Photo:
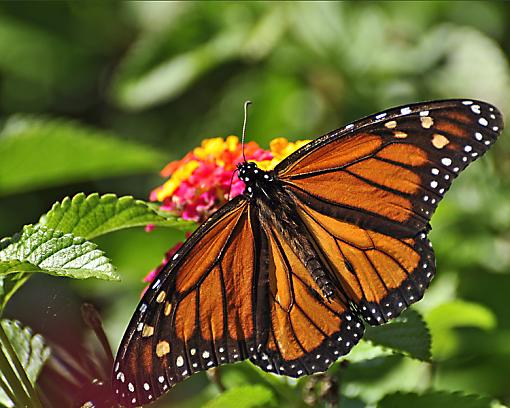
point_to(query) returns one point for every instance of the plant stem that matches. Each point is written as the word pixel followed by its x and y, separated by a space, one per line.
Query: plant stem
pixel 6 388
pixel 17 393
pixel 33 398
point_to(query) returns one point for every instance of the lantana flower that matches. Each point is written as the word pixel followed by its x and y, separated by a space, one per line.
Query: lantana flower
pixel 204 179
pixel 200 183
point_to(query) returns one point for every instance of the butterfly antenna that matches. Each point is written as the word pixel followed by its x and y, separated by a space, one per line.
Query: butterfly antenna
pixel 244 127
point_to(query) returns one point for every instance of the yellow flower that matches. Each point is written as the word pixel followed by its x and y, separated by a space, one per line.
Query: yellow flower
pixel 182 173
pixel 280 149
pixel 215 147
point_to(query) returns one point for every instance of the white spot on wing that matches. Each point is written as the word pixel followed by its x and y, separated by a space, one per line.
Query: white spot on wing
pixel 446 161
pixel 156 284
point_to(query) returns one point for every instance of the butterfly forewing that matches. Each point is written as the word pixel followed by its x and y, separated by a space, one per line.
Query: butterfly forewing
pixel 389 171
pixel 201 311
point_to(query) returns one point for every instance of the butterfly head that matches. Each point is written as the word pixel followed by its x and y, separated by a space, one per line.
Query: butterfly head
pixel 253 177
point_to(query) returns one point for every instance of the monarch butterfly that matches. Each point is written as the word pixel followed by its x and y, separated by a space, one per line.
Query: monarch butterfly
pixel 287 273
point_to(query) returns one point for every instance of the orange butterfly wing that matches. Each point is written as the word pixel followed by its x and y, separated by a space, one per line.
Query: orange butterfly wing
pixel 389 171
pixel 204 309
pixel 306 333
pixel 366 194
pixel 380 274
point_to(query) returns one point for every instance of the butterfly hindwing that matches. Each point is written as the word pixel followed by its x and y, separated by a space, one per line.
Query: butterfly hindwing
pixel 306 333
pixel 382 275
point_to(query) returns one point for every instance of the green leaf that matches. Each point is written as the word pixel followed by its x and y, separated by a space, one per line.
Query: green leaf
pixel 31 350
pixel 247 396
pixel 364 351
pixel 434 399
pixel 58 254
pixel 407 334
pixel 38 152
pixel 443 319
pixel 15 266
pixel 94 215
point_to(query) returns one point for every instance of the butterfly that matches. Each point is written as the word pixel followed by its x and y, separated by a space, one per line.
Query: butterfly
pixel 288 273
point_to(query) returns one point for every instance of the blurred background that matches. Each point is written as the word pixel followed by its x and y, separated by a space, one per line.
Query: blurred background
pixel 99 96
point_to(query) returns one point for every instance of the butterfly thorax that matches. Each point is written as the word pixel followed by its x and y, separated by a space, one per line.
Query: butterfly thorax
pixel 256 180
pixel 277 210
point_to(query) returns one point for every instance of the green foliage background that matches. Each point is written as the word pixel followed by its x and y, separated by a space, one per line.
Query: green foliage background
pixel 98 96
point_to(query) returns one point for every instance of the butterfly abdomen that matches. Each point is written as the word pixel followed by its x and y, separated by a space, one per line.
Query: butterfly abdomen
pixel 282 218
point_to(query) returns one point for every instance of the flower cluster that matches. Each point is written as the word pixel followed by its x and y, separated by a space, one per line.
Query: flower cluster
pixel 200 183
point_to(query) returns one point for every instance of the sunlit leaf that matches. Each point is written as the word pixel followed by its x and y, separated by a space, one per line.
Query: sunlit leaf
pixel 248 396
pixel 40 152
pixel 366 350
pixel 30 349
pixel 407 334
pixel 94 215
pixel 58 254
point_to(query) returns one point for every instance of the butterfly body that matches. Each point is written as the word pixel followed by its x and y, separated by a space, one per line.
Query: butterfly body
pixel 286 273
pixel 264 189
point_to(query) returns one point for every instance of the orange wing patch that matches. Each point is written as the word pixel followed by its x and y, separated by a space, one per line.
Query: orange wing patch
pixel 382 275
pixel 351 148
pixel 194 267
pixel 405 154
pixel 356 194
pixel 306 334
pixel 376 176
pixel 202 310
pixel 211 322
